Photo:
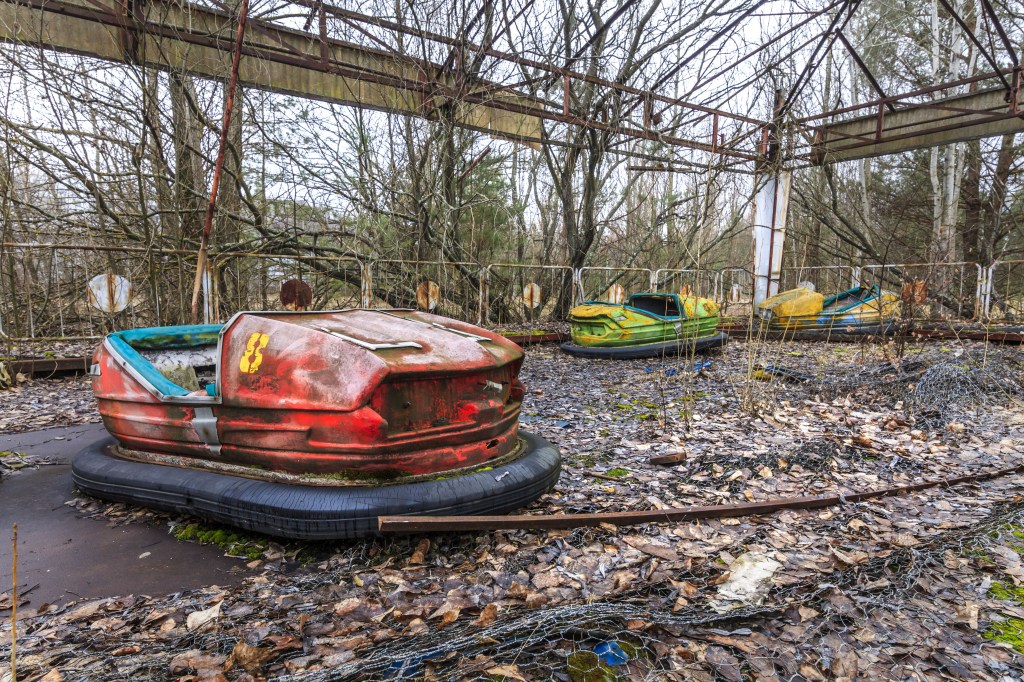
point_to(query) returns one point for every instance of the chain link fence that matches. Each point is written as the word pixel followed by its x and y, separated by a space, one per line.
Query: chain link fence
pixel 50 291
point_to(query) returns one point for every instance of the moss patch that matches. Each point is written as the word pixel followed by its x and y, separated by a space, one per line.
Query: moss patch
pixel 347 475
pixel 585 666
pixel 617 472
pixel 235 544
pixel 1011 630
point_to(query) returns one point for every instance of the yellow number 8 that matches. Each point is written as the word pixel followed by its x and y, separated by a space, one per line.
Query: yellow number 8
pixel 253 354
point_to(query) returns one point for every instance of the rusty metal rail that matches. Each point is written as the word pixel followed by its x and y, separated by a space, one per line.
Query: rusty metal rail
pixel 438 524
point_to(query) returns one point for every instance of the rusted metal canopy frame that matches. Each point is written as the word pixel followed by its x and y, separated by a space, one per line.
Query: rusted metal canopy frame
pixel 874 104
pixel 218 166
pixel 437 524
pixel 817 155
pixel 766 45
pixel 532 63
pixel 974 39
pixel 957 111
pixel 426 90
pixel 864 67
pixel 715 37
pixel 1002 33
pixel 849 8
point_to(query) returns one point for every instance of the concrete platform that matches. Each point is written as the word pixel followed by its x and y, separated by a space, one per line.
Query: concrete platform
pixel 70 557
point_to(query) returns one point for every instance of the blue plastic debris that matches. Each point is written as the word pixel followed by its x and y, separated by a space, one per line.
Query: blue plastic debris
pixel 610 653
pixel 672 371
pixel 410 668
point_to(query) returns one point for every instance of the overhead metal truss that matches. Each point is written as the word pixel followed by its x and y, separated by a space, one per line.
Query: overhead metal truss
pixel 309 62
pixel 185 36
pixel 891 129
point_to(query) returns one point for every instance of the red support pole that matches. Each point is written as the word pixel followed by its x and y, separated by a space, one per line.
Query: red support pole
pixel 229 103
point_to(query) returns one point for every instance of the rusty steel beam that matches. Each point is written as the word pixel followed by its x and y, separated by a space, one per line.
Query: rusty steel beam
pixel 958 118
pixel 526 339
pixel 218 166
pixel 864 67
pixel 974 39
pixel 46 366
pixel 1007 45
pixel 166 35
pixel 439 524
pixel 569 73
pixel 848 8
pixel 1010 336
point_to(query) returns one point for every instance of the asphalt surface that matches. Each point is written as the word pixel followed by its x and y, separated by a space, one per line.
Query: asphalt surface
pixel 62 557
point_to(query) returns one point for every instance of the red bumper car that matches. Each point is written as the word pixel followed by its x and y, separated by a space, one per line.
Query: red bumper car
pixel 310 425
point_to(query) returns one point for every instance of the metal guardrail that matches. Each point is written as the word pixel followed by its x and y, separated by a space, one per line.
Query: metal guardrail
pixel 43 292
pixel 932 291
pixel 518 293
pixel 612 284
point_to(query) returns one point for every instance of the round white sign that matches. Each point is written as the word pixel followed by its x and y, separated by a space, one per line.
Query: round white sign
pixel 109 293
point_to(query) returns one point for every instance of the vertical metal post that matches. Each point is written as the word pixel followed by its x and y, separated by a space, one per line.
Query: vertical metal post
pixel 365 285
pixel 485 286
pixel 771 207
pixel 772 185
pixel 229 103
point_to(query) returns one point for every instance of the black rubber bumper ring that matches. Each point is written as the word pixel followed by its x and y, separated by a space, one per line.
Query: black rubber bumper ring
pixel 649 350
pixel 313 512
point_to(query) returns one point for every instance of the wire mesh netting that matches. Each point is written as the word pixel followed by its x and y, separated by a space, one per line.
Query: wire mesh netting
pixel 1007 299
pixel 446 288
pixel 827 281
pixel 87 291
pixel 255 281
pixel 518 294
pixel 929 291
pixel 612 285
pixel 703 283
pixel 737 292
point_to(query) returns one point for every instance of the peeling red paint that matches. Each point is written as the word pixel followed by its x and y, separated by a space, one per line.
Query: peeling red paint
pixel 318 402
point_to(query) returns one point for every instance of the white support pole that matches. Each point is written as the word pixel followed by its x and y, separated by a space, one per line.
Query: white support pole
pixel 771 207
pixel 207 282
pixel 986 277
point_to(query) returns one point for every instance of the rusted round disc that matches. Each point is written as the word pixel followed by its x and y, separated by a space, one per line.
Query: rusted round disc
pixel 296 295
pixel 428 294
pixel 531 295
pixel 615 294
pixel 109 293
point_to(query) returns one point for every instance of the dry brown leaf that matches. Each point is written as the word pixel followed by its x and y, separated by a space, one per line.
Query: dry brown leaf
pixel 449 617
pixel 517 591
pixel 487 615
pixel 203 620
pixel 419 555
pixel 661 551
pixel 535 600
pixel 546 579
pixel 126 650
pixel 249 658
pixel 194 659
pixel 905 540
pixel 812 673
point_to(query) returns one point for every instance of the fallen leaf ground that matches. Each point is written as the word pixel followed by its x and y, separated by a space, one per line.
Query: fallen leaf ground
pixel 917 587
